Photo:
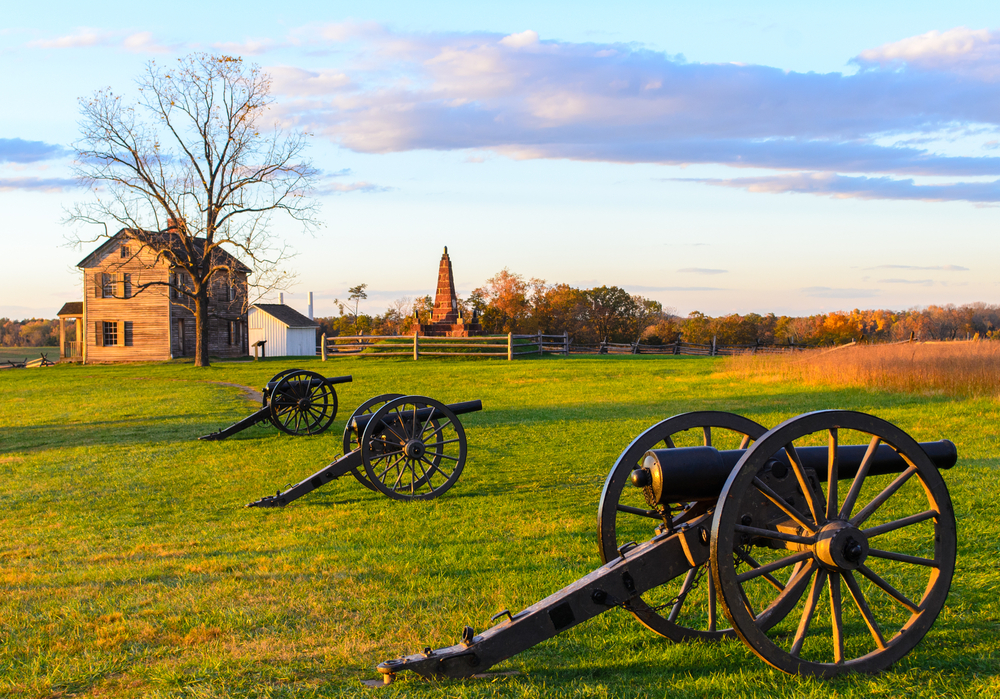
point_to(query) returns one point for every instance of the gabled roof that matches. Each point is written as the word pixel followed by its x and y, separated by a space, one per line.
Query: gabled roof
pixel 285 314
pixel 161 240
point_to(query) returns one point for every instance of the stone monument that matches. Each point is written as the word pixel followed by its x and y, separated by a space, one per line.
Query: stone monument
pixel 446 318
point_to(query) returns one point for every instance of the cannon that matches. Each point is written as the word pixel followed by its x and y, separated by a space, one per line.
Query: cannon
pixel 295 401
pixel 406 447
pixel 828 543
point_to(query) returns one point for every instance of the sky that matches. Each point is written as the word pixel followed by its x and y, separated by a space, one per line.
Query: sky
pixel 734 157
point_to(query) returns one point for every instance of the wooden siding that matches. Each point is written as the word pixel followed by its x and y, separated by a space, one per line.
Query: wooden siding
pixel 147 311
pixel 153 314
pixel 282 341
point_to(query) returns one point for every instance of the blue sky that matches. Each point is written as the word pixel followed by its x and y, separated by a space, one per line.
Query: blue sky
pixel 782 157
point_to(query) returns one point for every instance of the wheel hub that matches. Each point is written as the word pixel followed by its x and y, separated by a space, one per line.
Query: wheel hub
pixel 414 449
pixel 841 546
pixel 304 403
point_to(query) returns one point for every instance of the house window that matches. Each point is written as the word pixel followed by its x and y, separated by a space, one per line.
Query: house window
pixel 125 252
pixel 180 337
pixel 128 333
pixel 110 333
pixel 175 281
pixel 127 285
pixel 107 285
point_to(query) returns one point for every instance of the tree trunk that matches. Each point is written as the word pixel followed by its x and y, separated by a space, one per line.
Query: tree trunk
pixel 201 327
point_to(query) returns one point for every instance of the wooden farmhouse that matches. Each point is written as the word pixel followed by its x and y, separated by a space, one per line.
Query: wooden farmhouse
pixel 129 313
pixel 286 331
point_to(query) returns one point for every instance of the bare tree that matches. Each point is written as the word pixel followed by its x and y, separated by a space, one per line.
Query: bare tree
pixel 194 172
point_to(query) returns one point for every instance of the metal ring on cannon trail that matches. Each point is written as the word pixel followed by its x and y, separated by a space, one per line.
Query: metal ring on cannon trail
pixel 860 571
pixel 351 436
pixel 413 448
pixel 685 609
pixel 302 402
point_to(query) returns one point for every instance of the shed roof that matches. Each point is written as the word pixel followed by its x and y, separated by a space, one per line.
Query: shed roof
pixel 71 308
pixel 287 315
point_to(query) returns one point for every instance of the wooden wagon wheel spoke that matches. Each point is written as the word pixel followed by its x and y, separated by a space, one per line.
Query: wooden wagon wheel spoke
pixel 903 558
pixel 749 560
pixel 807 613
pixel 707 429
pixel 784 506
pixel 776 565
pixel 836 620
pixel 832 474
pixel 651 514
pixel 815 505
pixel 888 589
pixel 872 532
pixel 862 604
pixel 859 478
pixel 869 509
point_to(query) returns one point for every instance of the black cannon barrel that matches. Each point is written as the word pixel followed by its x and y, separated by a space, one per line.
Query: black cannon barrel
pixel 698 473
pixel 269 386
pixel 469 406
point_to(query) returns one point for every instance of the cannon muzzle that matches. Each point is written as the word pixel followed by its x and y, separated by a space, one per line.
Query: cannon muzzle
pixel 685 474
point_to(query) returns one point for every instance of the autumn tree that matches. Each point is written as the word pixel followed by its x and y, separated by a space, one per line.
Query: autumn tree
pixel 194 170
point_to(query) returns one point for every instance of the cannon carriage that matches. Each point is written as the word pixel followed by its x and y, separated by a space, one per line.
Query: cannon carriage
pixel 826 544
pixel 406 447
pixel 296 401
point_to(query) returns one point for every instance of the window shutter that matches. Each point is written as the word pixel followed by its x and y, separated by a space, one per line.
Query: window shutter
pixel 121 333
pixel 120 286
pixel 98 333
pixel 98 284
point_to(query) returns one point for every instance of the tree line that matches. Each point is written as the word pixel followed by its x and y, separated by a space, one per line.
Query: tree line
pixel 508 302
pixel 31 332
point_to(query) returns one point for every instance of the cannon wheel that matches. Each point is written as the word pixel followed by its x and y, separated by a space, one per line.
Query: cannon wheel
pixel 301 406
pixel 351 438
pixel 868 580
pixel 622 507
pixel 266 395
pixel 412 459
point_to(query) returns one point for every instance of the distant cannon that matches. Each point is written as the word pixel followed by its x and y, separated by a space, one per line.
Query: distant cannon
pixel 406 447
pixel 817 579
pixel 296 401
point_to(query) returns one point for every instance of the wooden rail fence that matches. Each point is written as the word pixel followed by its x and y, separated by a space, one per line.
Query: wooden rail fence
pixel 511 346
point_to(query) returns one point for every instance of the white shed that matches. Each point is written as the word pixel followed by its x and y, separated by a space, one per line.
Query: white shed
pixel 288 332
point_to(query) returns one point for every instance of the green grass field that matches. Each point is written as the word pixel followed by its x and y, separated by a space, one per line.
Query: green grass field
pixel 129 567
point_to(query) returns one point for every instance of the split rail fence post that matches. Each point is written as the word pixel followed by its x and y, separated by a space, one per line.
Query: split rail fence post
pixel 713 345
pixel 322 347
pixel 539 342
pixel 566 342
pixel 510 347
pixel 416 346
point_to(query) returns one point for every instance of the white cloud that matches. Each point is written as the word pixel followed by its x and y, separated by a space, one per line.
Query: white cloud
pixel 37 184
pixel 518 41
pixel 958 50
pixel 841 187
pixel 943 268
pixel 136 42
pixel 826 292
pixel 253 47
pixel 296 82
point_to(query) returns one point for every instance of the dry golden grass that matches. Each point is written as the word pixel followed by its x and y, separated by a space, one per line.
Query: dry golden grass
pixel 949 368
